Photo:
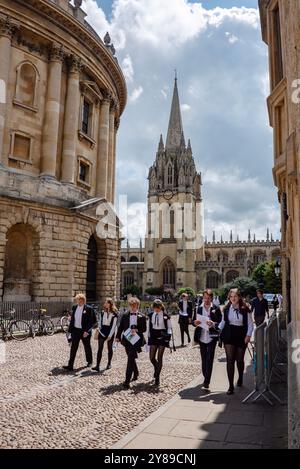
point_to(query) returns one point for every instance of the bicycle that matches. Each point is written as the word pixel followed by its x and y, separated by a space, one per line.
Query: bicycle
pixel 16 328
pixel 65 321
pixel 40 323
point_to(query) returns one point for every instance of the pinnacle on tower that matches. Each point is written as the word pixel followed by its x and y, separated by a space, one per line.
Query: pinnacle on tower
pixel 268 234
pixel 249 236
pixel 161 145
pixel 175 129
pixel 231 236
pixel 214 237
pixel 182 141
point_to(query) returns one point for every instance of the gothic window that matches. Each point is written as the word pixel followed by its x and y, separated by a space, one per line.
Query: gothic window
pixel 259 257
pixel 208 256
pixel 223 256
pixel 128 279
pixel 26 94
pixel 212 279
pixel 169 275
pixel 231 276
pixel 276 255
pixel 240 257
pixel 170 176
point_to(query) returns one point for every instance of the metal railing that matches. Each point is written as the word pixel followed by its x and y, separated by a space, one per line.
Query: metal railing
pixel 269 361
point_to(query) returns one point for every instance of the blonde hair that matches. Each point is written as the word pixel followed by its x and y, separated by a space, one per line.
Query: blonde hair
pixel 80 296
pixel 134 301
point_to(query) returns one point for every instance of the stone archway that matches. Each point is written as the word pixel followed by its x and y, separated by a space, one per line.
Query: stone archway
pixel 21 263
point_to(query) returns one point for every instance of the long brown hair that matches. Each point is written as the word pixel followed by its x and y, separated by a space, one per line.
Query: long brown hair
pixel 242 303
pixel 113 307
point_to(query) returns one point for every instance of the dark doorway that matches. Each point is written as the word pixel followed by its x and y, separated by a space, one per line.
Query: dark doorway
pixel 91 280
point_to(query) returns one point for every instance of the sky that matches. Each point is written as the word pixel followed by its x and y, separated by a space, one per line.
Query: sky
pixel 222 67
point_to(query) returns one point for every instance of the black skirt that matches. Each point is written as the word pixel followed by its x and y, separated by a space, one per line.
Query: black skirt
pixel 236 337
pixel 158 337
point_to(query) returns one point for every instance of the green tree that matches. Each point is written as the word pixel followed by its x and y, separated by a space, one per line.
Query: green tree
pixel 132 290
pixel 155 291
pixel 264 275
pixel 258 274
pixel 187 290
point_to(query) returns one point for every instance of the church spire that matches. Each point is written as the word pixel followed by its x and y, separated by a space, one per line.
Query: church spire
pixel 175 129
pixel 161 146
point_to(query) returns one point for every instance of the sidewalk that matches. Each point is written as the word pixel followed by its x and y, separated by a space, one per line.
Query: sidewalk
pixel 196 419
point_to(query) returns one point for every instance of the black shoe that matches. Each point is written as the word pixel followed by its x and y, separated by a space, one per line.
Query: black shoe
pixel 96 368
pixel 230 392
pixel 240 382
pixel 88 365
pixel 126 385
pixel 205 385
pixel 68 368
pixel 108 366
pixel 135 377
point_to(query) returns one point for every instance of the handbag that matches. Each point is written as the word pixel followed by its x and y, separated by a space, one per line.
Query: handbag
pixel 96 334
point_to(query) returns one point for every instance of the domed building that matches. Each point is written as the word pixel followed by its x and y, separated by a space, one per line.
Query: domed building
pixel 62 94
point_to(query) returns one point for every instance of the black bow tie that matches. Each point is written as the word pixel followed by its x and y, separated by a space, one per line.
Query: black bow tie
pixel 133 314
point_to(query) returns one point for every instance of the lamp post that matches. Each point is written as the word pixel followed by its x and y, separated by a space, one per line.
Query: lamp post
pixel 277 268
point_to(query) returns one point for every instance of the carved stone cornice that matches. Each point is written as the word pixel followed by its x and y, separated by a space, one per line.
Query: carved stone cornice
pixel 117 123
pixel 37 48
pixel 8 26
pixel 56 52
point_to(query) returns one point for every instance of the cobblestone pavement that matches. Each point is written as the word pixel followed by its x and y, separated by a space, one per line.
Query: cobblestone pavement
pixel 41 406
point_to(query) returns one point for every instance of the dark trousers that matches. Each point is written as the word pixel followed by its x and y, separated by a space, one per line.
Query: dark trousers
pixel 259 319
pixel 77 336
pixel 207 356
pixel 101 342
pixel 184 328
pixel 131 368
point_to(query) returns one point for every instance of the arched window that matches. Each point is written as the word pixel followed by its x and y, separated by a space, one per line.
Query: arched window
pixel 207 256
pixel 259 257
pixel 170 175
pixel 232 275
pixel 240 257
pixel 212 279
pixel 26 85
pixel 133 259
pixel 169 275
pixel 123 259
pixel 223 256
pixel 128 279
pixel 276 255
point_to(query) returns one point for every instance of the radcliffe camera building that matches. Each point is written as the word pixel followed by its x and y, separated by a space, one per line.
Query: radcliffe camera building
pixel 168 261
pixel 62 95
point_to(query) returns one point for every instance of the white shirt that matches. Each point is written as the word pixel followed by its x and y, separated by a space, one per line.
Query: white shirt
pixel 235 318
pixel 106 321
pixel 158 322
pixel 133 319
pixel 78 317
pixel 205 336
pixel 184 308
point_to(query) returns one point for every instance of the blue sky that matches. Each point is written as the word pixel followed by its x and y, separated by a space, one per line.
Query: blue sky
pixel 223 83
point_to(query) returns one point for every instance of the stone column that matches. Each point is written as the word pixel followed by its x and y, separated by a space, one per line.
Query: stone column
pixel 7 30
pixel 52 109
pixel 103 145
pixel 71 122
pixel 111 153
pixel 117 124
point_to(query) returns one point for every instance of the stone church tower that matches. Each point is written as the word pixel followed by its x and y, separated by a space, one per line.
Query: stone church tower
pixel 174 204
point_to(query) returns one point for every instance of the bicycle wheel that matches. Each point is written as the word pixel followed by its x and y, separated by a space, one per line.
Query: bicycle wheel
pixel 19 330
pixel 64 323
pixel 48 327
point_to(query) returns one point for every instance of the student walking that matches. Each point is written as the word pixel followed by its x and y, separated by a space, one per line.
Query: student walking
pixel 237 327
pixel 106 332
pixel 160 332
pixel 131 334
pixel 185 316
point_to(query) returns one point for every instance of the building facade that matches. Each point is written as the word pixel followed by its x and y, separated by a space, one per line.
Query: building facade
pixel 280 20
pixel 62 93
pixel 169 261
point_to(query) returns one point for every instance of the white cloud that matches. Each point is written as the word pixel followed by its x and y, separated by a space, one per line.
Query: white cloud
pixel 127 68
pixel 185 107
pixel 136 93
pixel 232 39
